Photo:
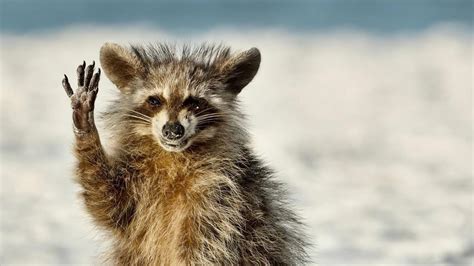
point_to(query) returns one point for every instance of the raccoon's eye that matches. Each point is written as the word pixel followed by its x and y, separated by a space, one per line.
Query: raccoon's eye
pixel 153 101
pixel 194 104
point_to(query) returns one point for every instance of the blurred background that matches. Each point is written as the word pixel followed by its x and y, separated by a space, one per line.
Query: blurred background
pixel 364 108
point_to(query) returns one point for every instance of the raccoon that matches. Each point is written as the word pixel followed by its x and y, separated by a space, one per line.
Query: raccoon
pixel 182 185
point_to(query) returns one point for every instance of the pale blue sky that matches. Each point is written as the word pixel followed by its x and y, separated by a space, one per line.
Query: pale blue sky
pixel 379 16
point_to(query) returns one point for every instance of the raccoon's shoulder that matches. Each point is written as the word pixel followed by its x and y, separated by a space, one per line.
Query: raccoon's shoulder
pixel 252 169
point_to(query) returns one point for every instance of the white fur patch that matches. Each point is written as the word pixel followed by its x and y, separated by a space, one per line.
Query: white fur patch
pixel 186 94
pixel 216 100
pixel 167 92
pixel 157 90
pixel 188 122
pixel 142 130
pixel 140 96
pixel 158 121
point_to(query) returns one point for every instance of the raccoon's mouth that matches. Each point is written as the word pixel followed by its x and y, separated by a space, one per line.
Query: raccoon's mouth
pixel 174 146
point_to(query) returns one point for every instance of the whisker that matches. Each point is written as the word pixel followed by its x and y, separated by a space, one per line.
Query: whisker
pixel 138 122
pixel 140 114
pixel 209 120
pixel 202 111
pixel 136 112
pixel 138 117
pixel 214 114
pixel 209 117
pixel 210 109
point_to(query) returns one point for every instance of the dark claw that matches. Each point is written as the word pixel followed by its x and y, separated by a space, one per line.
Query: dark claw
pixel 89 73
pixel 94 83
pixel 67 86
pixel 80 74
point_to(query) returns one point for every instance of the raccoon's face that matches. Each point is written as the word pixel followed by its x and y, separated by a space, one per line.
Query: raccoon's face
pixel 179 102
pixel 181 111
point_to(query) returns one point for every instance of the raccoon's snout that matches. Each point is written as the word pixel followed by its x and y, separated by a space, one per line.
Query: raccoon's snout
pixel 173 131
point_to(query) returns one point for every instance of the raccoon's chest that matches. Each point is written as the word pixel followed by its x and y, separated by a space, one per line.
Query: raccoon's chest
pixel 181 217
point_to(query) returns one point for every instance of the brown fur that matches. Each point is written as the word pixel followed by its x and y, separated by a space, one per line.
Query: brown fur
pixel 213 203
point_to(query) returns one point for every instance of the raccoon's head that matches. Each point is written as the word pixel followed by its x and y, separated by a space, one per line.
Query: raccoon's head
pixel 180 99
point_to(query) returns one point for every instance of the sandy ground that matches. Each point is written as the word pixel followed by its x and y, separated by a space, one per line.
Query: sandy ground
pixel 371 133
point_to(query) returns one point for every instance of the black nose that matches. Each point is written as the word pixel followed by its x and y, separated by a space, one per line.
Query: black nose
pixel 173 131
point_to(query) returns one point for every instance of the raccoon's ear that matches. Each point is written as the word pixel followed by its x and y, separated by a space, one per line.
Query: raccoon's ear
pixel 120 65
pixel 240 70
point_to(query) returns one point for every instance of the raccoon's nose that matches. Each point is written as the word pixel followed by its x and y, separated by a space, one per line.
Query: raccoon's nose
pixel 173 131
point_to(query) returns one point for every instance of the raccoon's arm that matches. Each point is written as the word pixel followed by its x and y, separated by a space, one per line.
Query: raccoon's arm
pixel 103 183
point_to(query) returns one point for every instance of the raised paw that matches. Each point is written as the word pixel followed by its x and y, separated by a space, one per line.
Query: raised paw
pixel 83 100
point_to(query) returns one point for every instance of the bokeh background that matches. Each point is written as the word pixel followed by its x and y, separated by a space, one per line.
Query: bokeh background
pixel 364 108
